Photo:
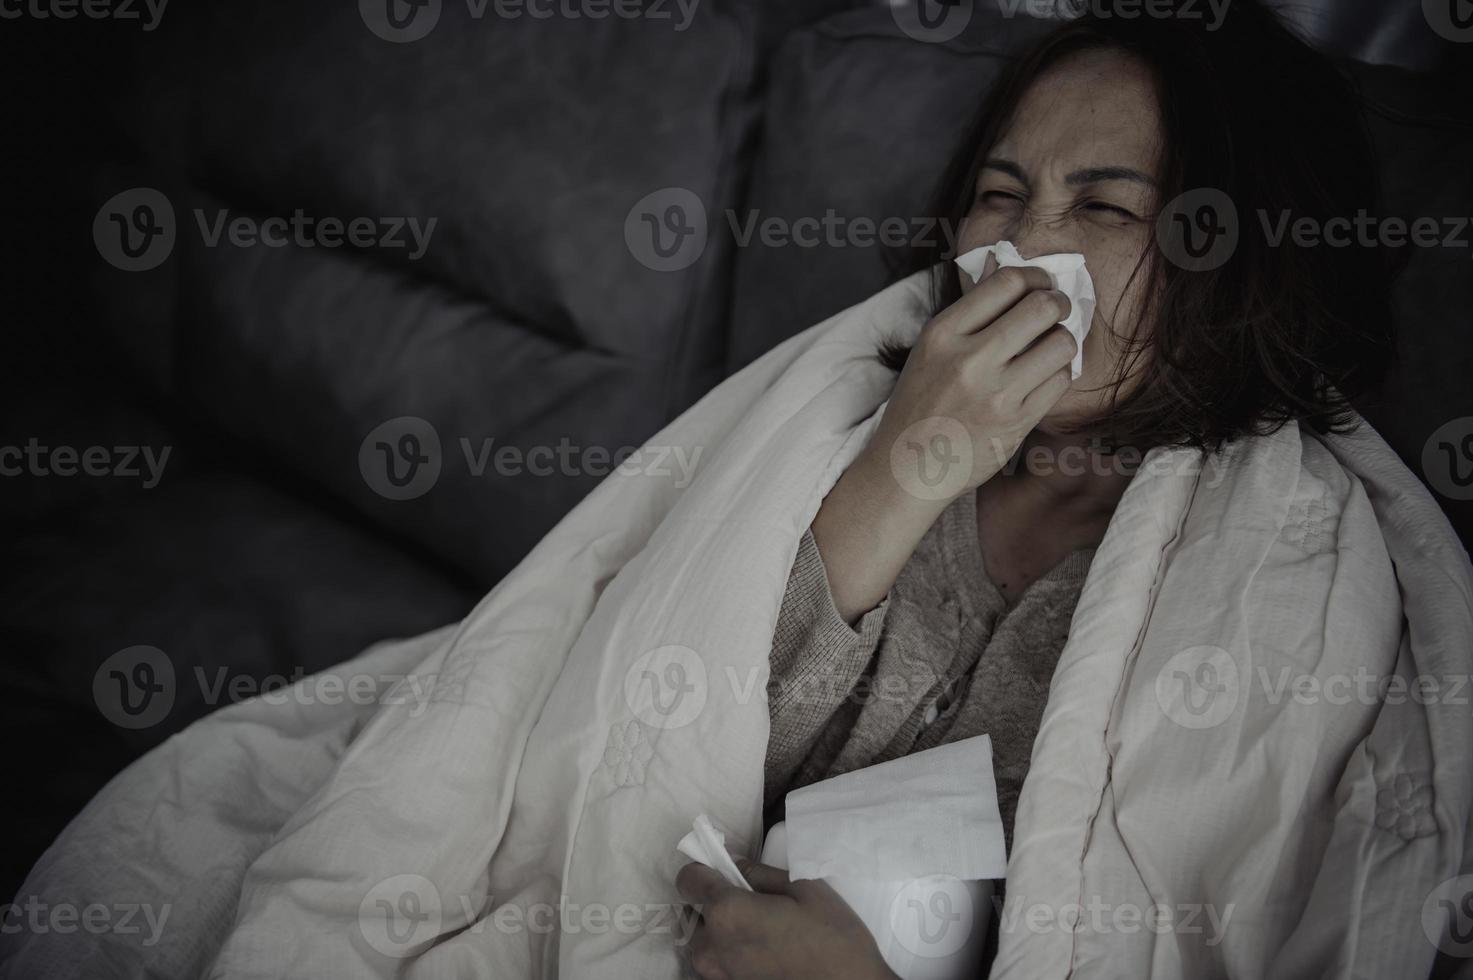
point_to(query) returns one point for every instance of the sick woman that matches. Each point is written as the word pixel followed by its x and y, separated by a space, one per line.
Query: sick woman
pixel 1132 142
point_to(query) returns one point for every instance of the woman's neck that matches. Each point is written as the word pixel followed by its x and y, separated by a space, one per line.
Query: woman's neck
pixel 1054 498
pixel 1068 477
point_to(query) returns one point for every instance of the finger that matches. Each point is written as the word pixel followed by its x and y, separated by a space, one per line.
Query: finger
pixel 1037 402
pixel 700 885
pixel 1029 319
pixel 703 957
pixel 1054 350
pixel 763 877
pixel 992 297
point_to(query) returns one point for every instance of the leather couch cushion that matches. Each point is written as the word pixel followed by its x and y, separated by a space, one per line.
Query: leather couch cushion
pixel 312 356
pixel 533 315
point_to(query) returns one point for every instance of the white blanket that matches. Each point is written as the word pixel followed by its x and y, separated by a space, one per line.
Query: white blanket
pixel 506 801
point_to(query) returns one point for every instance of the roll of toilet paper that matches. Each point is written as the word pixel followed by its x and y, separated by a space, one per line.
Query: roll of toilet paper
pixel 1066 271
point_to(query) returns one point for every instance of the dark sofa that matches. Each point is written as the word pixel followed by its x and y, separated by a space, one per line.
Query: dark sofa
pixel 293 524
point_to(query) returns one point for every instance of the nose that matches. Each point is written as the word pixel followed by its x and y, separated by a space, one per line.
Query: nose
pixel 1036 236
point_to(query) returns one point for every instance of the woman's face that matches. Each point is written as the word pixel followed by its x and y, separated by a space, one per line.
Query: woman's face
pixel 1076 171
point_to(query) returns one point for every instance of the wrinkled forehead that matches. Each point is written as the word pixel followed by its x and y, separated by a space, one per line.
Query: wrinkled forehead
pixel 1092 109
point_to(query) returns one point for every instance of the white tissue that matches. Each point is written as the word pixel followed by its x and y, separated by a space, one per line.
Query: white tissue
pixel 707 845
pixel 1069 276
pixel 928 813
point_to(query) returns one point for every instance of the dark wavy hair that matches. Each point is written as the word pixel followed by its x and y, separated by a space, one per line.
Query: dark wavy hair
pixel 1280 331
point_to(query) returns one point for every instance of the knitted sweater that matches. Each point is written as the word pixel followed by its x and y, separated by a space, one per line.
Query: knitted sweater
pixel 943 657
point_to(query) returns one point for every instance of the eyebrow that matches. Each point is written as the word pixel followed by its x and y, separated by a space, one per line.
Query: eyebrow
pixel 1089 175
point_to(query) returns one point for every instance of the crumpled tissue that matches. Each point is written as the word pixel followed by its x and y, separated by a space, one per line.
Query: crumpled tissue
pixel 1069 276
pixel 707 845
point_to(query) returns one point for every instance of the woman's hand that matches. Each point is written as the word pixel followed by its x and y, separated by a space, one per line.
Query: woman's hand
pixel 800 930
pixel 981 375
pixel 993 363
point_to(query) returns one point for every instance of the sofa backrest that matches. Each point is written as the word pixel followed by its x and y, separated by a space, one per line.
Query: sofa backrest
pixel 529 291
pixel 562 229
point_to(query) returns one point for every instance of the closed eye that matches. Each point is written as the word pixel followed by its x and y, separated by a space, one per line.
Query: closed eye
pixel 1101 206
pixel 999 196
